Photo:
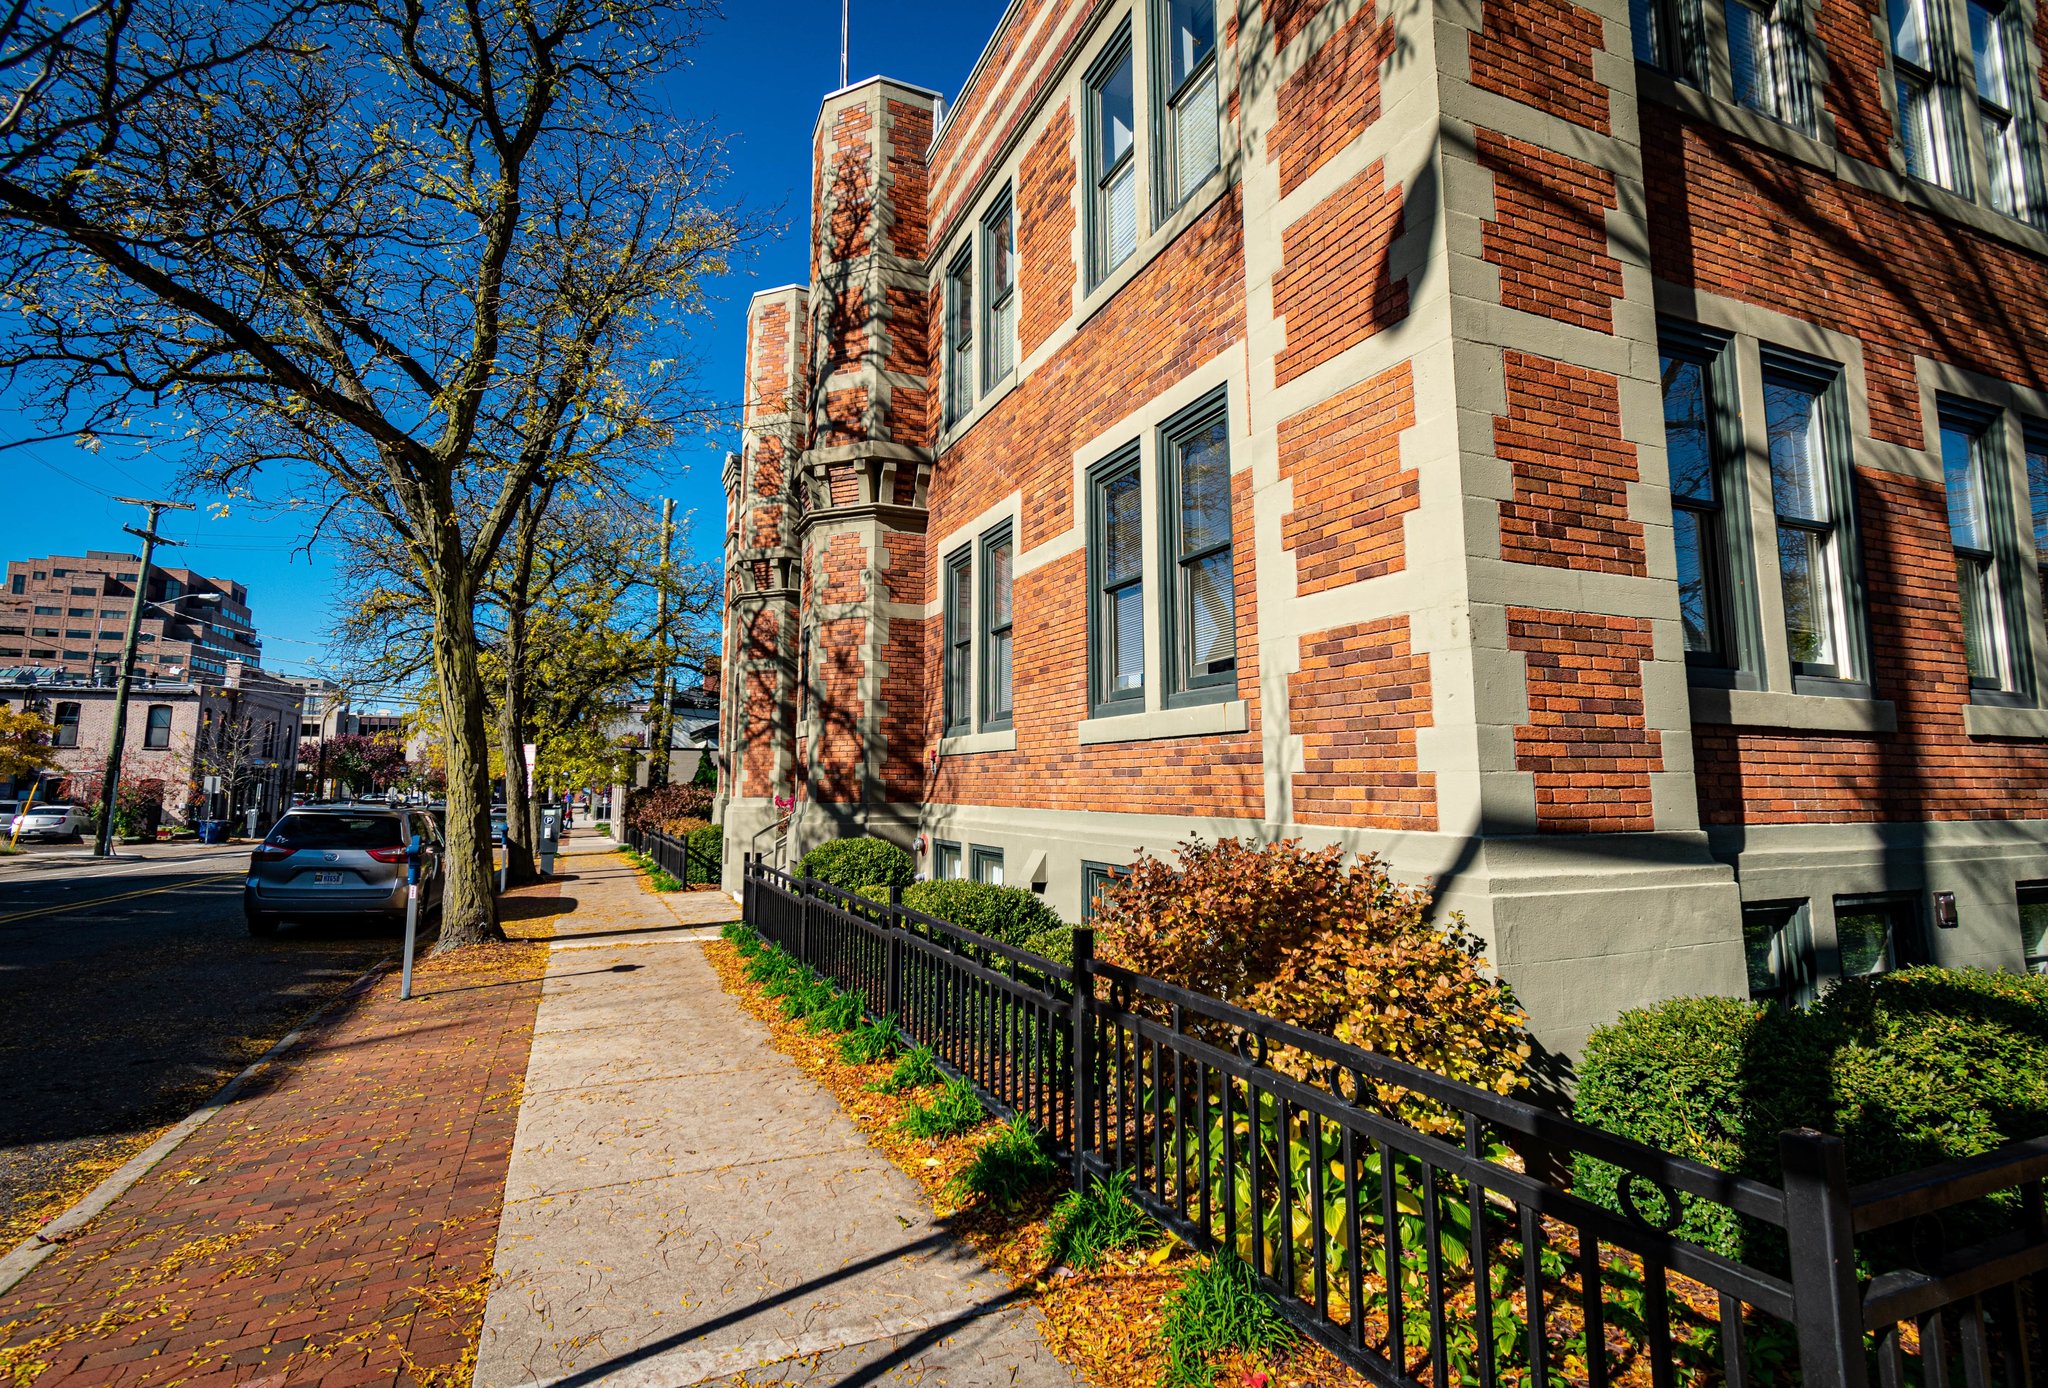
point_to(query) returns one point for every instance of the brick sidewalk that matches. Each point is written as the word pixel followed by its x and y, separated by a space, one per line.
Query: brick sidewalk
pixel 332 1226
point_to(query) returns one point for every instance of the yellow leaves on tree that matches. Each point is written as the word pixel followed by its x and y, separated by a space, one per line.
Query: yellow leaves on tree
pixel 1327 942
pixel 24 743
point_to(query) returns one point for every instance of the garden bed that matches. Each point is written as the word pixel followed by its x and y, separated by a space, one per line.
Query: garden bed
pixel 1106 1323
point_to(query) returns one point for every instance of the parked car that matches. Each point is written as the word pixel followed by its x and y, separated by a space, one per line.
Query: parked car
pixel 340 860
pixel 51 822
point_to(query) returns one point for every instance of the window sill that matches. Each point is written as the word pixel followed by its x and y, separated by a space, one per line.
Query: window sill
pixel 1197 720
pixel 965 744
pixel 1766 708
pixel 1992 720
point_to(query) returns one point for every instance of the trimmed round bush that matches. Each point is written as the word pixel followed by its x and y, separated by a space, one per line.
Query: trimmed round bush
pixel 1910 1069
pixel 1010 914
pixel 1056 944
pixel 1713 1079
pixel 853 864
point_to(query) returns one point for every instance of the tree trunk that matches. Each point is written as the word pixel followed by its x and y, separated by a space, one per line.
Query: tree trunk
pixel 468 907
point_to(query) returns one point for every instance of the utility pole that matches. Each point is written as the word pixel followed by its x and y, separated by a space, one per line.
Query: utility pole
pixel 103 840
pixel 659 735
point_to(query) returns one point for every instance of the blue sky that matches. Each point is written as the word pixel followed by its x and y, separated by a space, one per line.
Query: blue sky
pixel 759 75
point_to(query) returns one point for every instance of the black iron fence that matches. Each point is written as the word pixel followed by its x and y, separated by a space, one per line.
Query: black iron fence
pixel 1427 1231
pixel 676 857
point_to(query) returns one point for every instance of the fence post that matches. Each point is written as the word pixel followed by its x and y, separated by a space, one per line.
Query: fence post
pixel 1827 1305
pixel 803 924
pixel 894 985
pixel 1082 1056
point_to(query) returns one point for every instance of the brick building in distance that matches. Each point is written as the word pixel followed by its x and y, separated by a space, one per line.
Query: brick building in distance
pixel 1594 455
pixel 70 613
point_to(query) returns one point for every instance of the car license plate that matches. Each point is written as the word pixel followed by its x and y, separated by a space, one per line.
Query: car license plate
pixel 322 879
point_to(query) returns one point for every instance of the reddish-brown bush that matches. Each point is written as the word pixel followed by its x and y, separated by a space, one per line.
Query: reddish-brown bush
pixel 671 810
pixel 1325 941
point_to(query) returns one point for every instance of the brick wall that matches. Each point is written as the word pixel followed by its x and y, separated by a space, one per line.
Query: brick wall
pixel 1332 98
pixel 1350 490
pixel 1549 233
pixel 1562 438
pixel 1334 289
pixel 1045 233
pixel 1540 53
pixel 1586 741
pixel 1356 702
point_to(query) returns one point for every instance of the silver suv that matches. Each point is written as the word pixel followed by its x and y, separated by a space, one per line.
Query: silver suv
pixel 340 860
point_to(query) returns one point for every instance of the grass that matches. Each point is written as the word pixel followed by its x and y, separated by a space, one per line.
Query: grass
pixel 917 1070
pixel 1007 1167
pixel 954 1111
pixel 806 995
pixel 1090 1224
pixel 870 1042
pixel 659 878
pixel 1218 1308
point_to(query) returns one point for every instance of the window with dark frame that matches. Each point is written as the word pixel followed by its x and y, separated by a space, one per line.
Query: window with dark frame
pixel 2037 498
pixel 1094 877
pixel 1929 131
pixel 66 720
pixel 997 625
pixel 1194 455
pixel 946 861
pixel 1976 512
pixel 986 865
pixel 1767 60
pixel 960 336
pixel 1112 161
pixel 2033 904
pixel 158 734
pixel 1708 518
pixel 1190 111
pixel 1811 500
pixel 999 284
pixel 1116 561
pixel 1777 939
pixel 1877 934
pixel 959 594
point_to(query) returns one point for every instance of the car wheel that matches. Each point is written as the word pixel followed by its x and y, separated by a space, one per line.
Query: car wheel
pixel 260 925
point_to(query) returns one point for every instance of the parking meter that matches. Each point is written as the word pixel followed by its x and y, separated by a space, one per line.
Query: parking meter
pixel 414 851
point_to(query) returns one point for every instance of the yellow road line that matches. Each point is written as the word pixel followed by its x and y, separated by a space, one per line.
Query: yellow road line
pixel 124 896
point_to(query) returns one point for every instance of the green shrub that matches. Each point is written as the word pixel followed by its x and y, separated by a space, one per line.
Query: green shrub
pixel 1218 1308
pixel 841 1014
pixel 1713 1079
pixel 869 1042
pixel 1102 1219
pixel 1910 1068
pixel 956 1110
pixel 916 1070
pixel 707 852
pixel 853 863
pixel 1056 944
pixel 1007 1167
pixel 1930 1064
pixel 1009 914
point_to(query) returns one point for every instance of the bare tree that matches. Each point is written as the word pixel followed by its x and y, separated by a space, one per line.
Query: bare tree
pixel 388 250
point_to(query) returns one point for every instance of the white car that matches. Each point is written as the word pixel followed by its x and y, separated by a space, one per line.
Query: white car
pixel 51 822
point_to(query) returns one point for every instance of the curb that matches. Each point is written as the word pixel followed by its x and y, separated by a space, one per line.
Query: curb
pixel 25 1256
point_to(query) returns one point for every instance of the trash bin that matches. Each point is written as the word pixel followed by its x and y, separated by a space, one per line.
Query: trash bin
pixel 213 831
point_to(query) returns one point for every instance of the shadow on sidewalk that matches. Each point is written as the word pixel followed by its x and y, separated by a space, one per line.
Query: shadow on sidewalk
pixel 919 1341
pixel 513 982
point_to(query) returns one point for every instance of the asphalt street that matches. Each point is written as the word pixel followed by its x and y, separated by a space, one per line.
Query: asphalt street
pixel 129 992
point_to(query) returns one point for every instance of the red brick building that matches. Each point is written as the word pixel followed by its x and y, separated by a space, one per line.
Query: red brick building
pixel 69 613
pixel 1594 455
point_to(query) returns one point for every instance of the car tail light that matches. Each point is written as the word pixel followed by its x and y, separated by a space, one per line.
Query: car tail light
pixel 270 853
pixel 388 855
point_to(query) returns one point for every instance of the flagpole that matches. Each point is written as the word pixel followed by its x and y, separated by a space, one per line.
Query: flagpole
pixel 842 42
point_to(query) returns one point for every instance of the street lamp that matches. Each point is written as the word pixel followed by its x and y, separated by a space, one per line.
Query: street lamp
pixel 103 838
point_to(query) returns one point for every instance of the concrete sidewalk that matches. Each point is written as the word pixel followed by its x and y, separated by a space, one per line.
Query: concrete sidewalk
pixel 685 1207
